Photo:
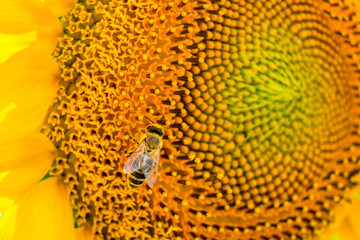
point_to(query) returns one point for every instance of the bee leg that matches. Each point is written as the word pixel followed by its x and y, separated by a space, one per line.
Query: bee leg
pixel 134 140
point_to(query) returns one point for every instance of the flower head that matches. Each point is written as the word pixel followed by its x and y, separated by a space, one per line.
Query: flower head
pixel 258 100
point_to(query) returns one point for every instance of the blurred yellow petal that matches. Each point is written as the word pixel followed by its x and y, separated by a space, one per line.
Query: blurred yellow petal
pixel 10 44
pixel 25 149
pixel 352 220
pixel 60 7
pixel 346 225
pixel 28 87
pixel 344 232
pixel 16 16
pixel 24 162
pixel 25 16
pixel 84 232
pixel 43 212
pixel 5 202
pixel 21 16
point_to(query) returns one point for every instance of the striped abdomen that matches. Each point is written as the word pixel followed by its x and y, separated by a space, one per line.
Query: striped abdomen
pixel 135 179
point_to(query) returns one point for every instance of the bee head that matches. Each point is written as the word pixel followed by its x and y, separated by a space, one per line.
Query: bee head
pixel 155 130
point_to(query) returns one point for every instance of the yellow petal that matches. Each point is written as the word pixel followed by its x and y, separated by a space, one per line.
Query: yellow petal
pixel 60 7
pixel 27 90
pixel 84 232
pixel 25 16
pixel 5 202
pixel 43 212
pixel 24 163
pixel 21 16
pixel 353 217
pixel 16 17
pixel 346 223
pixel 344 232
pixel 10 44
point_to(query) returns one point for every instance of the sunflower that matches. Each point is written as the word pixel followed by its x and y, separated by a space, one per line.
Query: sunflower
pixel 259 101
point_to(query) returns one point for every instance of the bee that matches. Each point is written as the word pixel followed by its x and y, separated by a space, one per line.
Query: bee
pixel 143 163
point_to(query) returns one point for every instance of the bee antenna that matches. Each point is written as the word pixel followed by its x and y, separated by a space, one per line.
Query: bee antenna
pixel 152 121
pixel 149 119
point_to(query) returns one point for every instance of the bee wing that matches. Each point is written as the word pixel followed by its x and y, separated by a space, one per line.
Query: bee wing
pixel 133 162
pixel 152 176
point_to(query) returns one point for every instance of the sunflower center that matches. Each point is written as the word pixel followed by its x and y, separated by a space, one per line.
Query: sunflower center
pixel 257 99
